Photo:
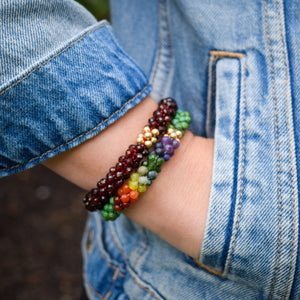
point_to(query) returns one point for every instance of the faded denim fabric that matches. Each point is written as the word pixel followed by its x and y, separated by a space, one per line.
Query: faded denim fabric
pixel 233 65
pixel 63 79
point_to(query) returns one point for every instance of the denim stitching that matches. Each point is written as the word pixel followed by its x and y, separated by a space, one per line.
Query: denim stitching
pixel 290 147
pixel 277 152
pixel 97 293
pixel 209 269
pixel 55 55
pixel 74 139
pixel 242 170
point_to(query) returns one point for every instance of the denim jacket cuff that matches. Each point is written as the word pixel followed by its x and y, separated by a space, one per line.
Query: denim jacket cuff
pixel 67 98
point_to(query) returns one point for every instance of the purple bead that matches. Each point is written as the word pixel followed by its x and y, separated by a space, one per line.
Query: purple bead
pixel 169 149
pixel 175 144
pixel 166 157
pixel 166 140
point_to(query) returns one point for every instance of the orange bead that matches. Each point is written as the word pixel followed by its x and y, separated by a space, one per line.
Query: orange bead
pixel 126 189
pixel 134 194
pixel 125 198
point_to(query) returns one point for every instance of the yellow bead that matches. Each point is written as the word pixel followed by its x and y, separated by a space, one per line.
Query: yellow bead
pixel 146 129
pixel 140 140
pixel 142 188
pixel 148 144
pixel 173 135
pixel 154 140
pixel 148 135
pixel 155 132
pixel 133 184
pixel 141 135
pixel 179 134
pixel 134 177
pixel 170 130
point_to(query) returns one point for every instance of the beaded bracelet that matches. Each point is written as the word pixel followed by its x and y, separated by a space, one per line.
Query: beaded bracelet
pixel 148 170
pixel 107 187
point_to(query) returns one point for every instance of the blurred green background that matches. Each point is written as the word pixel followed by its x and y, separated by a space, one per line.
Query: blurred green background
pixel 99 8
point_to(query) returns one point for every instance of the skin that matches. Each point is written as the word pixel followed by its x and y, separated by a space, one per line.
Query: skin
pixel 175 206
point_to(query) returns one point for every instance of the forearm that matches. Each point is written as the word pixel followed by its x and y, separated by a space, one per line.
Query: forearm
pixel 175 205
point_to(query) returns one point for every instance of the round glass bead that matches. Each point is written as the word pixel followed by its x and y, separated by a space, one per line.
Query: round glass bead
pixel 125 189
pixel 152 175
pixel 143 180
pixel 134 194
pixel 166 140
pixel 142 170
pixel 125 205
pixel 133 185
pixel 117 207
pixel 175 144
pixel 134 177
pixel 160 161
pixel 142 189
pixel 125 198
pixel 151 157
pixel 166 157
pixel 169 149
pixel 159 151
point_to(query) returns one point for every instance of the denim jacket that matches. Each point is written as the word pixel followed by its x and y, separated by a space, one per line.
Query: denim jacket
pixel 233 65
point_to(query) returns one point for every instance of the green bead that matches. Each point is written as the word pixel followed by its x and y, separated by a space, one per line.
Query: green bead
pixel 144 163
pixel 158 169
pixel 152 175
pixel 179 127
pixel 151 158
pixel 185 125
pixel 111 200
pixel 134 177
pixel 171 126
pixel 160 161
pixel 109 207
pixel 104 213
pixel 149 182
pixel 151 167
pixel 143 180
pixel 142 170
pixel 112 216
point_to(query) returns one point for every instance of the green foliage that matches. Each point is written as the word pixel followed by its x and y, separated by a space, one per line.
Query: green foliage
pixel 99 8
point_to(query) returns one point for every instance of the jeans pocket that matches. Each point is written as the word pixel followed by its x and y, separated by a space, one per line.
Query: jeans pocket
pixel 225 116
pixel 104 268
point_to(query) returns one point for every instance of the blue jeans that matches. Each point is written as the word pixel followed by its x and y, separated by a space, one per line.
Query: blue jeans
pixel 231 64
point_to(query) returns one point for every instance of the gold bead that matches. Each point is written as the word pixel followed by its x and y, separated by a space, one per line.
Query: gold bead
pixel 154 140
pixel 155 132
pixel 179 134
pixel 148 135
pixel 170 130
pixel 173 135
pixel 148 144
pixel 140 135
pixel 146 129
pixel 140 140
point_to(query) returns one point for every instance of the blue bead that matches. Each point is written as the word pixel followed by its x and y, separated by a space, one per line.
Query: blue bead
pixel 166 157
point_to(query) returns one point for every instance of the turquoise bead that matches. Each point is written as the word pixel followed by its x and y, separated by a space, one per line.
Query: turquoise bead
pixel 152 175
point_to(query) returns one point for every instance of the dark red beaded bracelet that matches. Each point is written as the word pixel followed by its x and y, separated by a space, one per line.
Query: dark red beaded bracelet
pixel 107 187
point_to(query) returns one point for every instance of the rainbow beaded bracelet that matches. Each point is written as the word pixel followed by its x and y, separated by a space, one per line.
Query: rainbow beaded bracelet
pixel 148 170
pixel 107 187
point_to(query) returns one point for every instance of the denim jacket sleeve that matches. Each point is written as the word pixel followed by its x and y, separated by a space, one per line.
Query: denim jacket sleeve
pixel 64 78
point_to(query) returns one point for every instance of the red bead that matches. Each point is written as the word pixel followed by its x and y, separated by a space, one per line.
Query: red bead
pixel 117 208
pixel 119 166
pixel 119 183
pixel 120 192
pixel 122 158
pixel 138 157
pixel 110 178
pixel 112 171
pixel 128 162
pixel 140 148
pixel 102 191
pixel 119 175
pixel 125 205
pixel 117 200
